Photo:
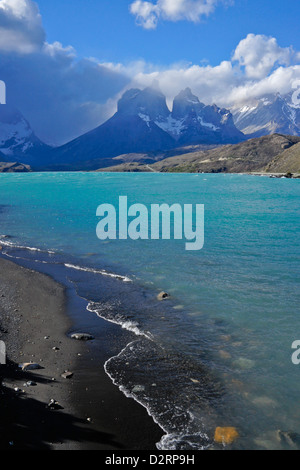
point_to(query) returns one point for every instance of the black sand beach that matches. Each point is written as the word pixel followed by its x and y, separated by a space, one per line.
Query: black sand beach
pixel 94 414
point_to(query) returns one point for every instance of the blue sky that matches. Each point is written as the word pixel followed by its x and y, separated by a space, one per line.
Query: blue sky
pixel 105 29
pixel 66 63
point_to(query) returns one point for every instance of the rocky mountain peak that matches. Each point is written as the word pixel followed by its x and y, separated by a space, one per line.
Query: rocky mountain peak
pixel 185 103
pixel 149 102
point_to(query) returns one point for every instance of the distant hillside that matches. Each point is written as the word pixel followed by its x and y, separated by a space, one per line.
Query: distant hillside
pixel 16 167
pixel 255 155
pixel 288 161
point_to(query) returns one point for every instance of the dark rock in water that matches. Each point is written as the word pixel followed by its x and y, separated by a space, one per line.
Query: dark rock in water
pixel 163 296
pixel 289 438
pixel 82 337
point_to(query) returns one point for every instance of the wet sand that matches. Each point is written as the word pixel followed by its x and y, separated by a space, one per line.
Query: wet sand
pixel 94 414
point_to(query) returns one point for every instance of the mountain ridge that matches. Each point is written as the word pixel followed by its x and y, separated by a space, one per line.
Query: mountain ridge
pixel 144 123
pixel 268 115
pixel 18 141
pixel 259 155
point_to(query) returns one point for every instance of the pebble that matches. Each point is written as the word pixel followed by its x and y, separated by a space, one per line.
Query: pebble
pixel 67 375
pixel 54 405
pixel 163 296
pixel 82 337
pixel 29 384
pixel 30 366
pixel 243 363
pixel 226 435
pixel 138 388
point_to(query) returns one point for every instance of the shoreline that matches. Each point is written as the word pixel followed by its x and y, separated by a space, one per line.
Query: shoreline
pixel 37 314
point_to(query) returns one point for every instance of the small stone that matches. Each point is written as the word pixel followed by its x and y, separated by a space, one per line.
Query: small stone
pixel 82 337
pixel 243 363
pixel 289 438
pixel 54 405
pixel 265 402
pixel 55 349
pixel 30 366
pixel 224 354
pixel 67 375
pixel 163 296
pixel 195 381
pixel 226 435
pixel 29 384
pixel 225 338
pixel 138 389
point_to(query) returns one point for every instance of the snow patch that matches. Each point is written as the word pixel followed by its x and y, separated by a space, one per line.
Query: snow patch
pixel 145 118
pixel 208 124
pixel 174 127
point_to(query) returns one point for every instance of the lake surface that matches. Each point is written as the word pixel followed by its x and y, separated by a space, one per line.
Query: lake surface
pixel 218 352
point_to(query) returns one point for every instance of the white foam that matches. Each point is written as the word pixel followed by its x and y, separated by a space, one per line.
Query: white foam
pixel 169 441
pixel 21 247
pixel 98 271
pixel 125 324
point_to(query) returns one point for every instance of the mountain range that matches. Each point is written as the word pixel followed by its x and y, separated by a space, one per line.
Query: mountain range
pixel 18 142
pixel 269 115
pixel 144 125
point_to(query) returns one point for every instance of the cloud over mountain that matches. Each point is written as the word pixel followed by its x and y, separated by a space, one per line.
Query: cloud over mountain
pixel 63 96
pixel 148 13
pixel 258 66
pixel 21 27
pixel 59 94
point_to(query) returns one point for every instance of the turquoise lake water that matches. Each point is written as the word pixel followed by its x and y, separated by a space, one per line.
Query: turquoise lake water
pixel 218 353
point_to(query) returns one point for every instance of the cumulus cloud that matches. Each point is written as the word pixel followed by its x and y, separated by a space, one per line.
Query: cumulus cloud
pixel 258 67
pixel 148 13
pixel 61 96
pixel 64 97
pixel 259 54
pixel 21 27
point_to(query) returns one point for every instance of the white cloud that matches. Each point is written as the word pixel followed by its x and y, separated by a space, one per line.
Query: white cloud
pixel 63 97
pixel 21 28
pixel 261 68
pixel 148 13
pixel 259 54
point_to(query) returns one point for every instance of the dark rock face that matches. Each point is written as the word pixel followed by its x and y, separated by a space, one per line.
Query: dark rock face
pixel 203 124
